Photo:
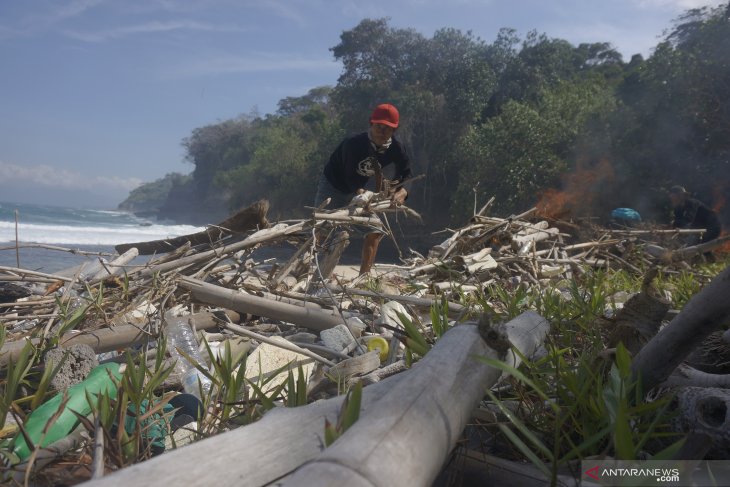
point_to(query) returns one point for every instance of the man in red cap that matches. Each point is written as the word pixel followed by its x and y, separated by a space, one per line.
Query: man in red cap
pixel 356 160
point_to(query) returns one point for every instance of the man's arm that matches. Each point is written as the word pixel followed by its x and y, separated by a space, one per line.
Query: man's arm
pixel 400 195
pixel 706 218
pixel 403 174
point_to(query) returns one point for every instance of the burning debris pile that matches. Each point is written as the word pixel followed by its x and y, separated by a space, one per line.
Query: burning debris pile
pixel 311 329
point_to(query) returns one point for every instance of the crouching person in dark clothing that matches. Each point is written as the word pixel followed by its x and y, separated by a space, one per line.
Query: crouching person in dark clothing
pixel 356 160
pixel 690 212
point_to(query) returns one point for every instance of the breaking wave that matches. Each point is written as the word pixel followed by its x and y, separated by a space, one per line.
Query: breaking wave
pixel 73 226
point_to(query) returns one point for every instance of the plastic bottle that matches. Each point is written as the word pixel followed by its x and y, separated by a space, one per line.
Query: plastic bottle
pixel 42 432
pixel 181 336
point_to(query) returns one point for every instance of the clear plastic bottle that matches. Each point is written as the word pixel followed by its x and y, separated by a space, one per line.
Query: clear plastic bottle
pixel 181 336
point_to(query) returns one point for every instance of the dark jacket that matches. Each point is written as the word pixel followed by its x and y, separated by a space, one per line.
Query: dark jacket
pixel 351 164
pixel 695 214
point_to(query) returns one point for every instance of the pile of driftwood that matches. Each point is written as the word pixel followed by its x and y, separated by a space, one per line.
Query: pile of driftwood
pixel 305 310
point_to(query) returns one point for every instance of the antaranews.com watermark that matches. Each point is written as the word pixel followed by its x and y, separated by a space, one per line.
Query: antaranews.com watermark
pixel 680 473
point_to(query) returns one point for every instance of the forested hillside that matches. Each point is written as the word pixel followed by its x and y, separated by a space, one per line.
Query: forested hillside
pixel 516 118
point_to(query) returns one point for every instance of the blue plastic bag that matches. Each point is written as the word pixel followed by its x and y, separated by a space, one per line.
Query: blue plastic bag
pixel 626 214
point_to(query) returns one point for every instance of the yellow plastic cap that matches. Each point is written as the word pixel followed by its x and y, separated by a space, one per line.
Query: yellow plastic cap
pixel 381 344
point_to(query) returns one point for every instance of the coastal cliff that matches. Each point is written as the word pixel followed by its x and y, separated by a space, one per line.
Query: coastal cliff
pixel 178 199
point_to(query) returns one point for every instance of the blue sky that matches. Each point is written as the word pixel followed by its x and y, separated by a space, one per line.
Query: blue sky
pixel 97 95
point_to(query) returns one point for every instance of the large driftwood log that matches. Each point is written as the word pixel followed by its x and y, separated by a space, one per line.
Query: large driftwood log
pixel 409 433
pixel 286 438
pixel 247 303
pixel 708 309
pixel 250 218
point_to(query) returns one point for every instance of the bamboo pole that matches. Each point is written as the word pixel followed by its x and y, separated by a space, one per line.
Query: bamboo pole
pixel 678 231
pixel 412 300
pixel 17 242
pixel 16 271
pixel 60 249
pixel 246 303
pixel 45 280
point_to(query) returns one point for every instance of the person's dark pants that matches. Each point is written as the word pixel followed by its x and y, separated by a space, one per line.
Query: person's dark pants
pixel 325 190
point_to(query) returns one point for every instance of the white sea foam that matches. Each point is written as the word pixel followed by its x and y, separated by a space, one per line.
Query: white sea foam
pixel 88 235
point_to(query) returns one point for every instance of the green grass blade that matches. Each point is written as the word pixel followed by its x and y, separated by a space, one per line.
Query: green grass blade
pixel 351 406
pixel 520 445
pixel 529 435
pixel 498 364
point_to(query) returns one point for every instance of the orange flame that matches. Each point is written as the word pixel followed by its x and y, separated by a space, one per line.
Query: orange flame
pixel 718 197
pixel 719 200
pixel 580 189
pixel 555 204
pixel 724 248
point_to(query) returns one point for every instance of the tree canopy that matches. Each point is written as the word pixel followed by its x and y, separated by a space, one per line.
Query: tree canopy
pixel 511 119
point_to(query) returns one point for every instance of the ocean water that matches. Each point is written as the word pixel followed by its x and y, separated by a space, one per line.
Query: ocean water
pixel 71 228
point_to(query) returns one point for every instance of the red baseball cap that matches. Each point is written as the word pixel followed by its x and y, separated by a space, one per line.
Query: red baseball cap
pixel 386 114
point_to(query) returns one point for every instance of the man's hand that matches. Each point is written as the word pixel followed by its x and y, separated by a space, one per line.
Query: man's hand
pixel 399 197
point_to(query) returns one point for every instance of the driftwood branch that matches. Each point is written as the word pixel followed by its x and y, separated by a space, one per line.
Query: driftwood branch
pixel 701 316
pixel 114 267
pixel 250 218
pixel 689 252
pixel 686 376
pixel 333 253
pixel 264 235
